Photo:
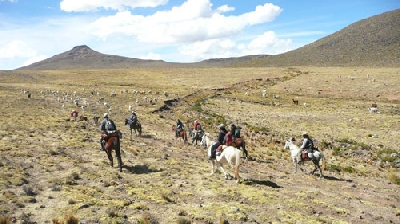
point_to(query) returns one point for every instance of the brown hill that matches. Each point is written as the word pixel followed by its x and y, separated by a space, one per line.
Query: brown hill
pixel 374 41
pixel 83 57
pixel 370 42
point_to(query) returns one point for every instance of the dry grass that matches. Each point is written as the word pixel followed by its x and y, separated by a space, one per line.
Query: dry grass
pixel 51 166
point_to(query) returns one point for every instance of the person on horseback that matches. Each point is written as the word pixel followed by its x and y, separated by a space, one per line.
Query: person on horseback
pixel 307 145
pixel 133 118
pixel 220 140
pixel 107 127
pixel 197 128
pixel 179 127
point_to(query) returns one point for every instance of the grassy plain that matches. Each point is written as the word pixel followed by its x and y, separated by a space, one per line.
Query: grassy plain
pixel 51 168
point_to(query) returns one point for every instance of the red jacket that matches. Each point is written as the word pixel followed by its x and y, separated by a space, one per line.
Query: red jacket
pixel 195 125
pixel 76 112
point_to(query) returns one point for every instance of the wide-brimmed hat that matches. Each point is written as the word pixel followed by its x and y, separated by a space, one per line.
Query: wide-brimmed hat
pixel 221 126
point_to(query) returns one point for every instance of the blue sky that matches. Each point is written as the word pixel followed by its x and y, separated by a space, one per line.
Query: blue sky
pixel 174 30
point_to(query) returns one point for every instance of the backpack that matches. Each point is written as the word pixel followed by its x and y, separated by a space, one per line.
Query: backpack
pixel 237 133
pixel 310 144
pixel 110 125
pixel 228 139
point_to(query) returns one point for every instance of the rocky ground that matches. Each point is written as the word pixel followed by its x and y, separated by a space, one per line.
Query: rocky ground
pixel 52 170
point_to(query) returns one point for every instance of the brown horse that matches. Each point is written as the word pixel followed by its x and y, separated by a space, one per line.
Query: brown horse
pixel 239 143
pixel 113 142
pixel 182 134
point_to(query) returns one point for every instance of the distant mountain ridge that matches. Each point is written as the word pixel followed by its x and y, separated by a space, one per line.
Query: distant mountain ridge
pixel 374 41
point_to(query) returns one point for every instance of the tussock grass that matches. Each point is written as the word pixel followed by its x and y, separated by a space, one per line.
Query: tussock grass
pixel 46 154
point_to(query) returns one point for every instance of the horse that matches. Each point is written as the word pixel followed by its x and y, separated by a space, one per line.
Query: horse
pixel 230 155
pixel 239 143
pixel 295 152
pixel 182 134
pixel 113 142
pixel 136 126
pixel 196 135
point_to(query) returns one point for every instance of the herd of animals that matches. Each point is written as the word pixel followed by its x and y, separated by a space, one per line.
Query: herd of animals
pixel 228 154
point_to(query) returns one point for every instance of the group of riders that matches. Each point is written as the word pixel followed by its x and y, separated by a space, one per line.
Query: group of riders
pixel 108 129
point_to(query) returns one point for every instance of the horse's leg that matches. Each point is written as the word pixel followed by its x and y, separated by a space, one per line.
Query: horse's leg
pixel 226 175
pixel 237 173
pixel 212 166
pixel 110 158
pixel 118 153
pixel 244 149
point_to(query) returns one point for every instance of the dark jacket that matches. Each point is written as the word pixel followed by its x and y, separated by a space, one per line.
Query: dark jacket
pixel 179 125
pixel 233 130
pixel 107 125
pixel 221 135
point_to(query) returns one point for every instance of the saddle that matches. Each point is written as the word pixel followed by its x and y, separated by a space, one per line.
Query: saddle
pixel 110 134
pixel 304 156
pixel 219 150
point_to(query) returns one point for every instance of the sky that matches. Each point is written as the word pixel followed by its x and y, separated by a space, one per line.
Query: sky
pixel 172 30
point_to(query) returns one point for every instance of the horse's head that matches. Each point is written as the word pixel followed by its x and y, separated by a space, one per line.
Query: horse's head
pixel 126 121
pixel 288 143
pixel 204 140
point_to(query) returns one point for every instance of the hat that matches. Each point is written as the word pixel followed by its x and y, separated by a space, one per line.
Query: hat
pixel 73 110
pixel 105 115
pixel 305 134
pixel 221 126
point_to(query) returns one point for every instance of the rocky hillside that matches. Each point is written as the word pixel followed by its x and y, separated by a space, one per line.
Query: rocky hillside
pixel 83 57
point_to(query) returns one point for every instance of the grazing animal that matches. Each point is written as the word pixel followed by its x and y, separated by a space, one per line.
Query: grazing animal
pixel 229 155
pixel 295 152
pixel 113 142
pixel 182 134
pixel 295 101
pixel 134 126
pixel 95 119
pixel 373 110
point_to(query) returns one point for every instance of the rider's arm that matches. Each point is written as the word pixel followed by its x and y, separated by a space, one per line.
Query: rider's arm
pixel 304 143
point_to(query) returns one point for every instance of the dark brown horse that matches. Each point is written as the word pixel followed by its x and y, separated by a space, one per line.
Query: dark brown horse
pixel 134 126
pixel 113 142
pixel 239 143
pixel 182 134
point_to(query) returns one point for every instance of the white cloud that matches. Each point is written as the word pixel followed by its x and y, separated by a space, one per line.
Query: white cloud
pixel 225 8
pixel 152 56
pixel 194 20
pixel 267 43
pixel 93 5
pixel 16 49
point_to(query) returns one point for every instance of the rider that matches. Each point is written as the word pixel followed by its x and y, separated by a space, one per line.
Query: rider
pixel 133 118
pixel 179 127
pixel 197 128
pixel 220 140
pixel 108 128
pixel 307 144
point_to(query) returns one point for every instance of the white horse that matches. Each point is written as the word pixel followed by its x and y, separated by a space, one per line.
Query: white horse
pixel 230 155
pixel 295 152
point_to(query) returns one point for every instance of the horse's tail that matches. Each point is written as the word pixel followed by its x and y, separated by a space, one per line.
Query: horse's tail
pixel 323 161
